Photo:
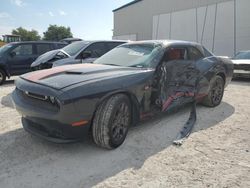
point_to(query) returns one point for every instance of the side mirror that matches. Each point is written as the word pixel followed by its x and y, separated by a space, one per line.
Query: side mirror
pixel 86 55
pixel 12 54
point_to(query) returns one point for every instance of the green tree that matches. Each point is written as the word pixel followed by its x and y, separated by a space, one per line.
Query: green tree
pixel 26 35
pixel 57 33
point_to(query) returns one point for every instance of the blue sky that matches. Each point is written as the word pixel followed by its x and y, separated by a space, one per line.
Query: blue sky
pixel 88 19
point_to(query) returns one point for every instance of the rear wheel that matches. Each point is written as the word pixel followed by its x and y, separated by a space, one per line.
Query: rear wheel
pixel 111 122
pixel 2 76
pixel 216 92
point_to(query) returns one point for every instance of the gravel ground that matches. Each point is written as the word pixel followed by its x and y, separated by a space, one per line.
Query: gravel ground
pixel 217 154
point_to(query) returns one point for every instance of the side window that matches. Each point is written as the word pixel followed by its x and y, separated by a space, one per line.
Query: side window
pixel 96 49
pixel 112 45
pixel 42 48
pixel 194 54
pixel 23 49
pixel 59 46
pixel 176 54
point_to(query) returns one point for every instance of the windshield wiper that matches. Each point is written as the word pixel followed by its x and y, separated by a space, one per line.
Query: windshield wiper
pixel 137 66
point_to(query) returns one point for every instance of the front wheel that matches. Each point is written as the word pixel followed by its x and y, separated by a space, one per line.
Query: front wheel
pixel 111 122
pixel 215 93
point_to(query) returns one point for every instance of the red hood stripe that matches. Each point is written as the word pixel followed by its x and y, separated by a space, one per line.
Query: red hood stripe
pixel 38 75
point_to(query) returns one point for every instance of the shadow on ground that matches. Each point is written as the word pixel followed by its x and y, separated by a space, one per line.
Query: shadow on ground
pixel 28 161
pixel 6 101
pixel 8 83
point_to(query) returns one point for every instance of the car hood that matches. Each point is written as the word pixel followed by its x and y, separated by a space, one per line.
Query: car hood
pixel 68 75
pixel 45 58
pixel 241 61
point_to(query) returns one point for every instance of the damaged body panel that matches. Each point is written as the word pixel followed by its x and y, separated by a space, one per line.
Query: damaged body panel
pixel 129 83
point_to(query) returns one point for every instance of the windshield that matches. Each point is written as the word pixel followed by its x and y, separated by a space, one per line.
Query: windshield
pixel 4 48
pixel 132 55
pixel 242 55
pixel 73 48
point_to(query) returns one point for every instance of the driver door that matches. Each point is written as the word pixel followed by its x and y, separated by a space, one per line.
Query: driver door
pixel 177 78
pixel 20 58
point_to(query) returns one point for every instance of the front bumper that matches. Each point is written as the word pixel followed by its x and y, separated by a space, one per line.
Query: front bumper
pixel 54 131
pixel 46 120
pixel 241 70
pixel 241 74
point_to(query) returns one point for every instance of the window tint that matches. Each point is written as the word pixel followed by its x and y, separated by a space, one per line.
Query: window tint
pixel 42 48
pixel 176 54
pixel 194 54
pixel 59 46
pixel 75 47
pixel 24 49
pixel 112 45
pixel 242 55
pixel 4 48
pixel 96 49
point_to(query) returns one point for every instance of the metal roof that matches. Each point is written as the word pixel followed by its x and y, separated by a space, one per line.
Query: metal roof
pixel 126 5
pixel 11 35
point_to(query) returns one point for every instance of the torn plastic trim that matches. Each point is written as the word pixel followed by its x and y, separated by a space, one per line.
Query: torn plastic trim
pixel 188 127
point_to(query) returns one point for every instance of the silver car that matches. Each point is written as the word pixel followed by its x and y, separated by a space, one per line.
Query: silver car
pixel 77 52
pixel 241 63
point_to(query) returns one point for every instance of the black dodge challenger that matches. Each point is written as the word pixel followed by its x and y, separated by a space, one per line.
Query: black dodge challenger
pixel 129 83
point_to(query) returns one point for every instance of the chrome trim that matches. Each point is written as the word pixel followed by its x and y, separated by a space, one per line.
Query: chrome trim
pixel 44 98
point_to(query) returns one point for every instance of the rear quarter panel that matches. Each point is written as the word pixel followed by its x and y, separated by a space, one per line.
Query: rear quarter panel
pixel 212 66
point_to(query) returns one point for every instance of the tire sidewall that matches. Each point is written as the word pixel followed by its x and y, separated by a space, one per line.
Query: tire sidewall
pixel 212 86
pixel 123 99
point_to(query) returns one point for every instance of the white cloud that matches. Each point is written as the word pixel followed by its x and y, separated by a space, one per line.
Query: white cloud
pixel 62 13
pixel 19 3
pixel 4 15
pixel 51 14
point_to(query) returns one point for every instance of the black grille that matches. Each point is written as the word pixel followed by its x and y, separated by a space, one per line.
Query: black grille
pixel 242 67
pixel 37 100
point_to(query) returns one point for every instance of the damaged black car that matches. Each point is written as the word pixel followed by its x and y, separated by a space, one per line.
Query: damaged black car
pixel 129 83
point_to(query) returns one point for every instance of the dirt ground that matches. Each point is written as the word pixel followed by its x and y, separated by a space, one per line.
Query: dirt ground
pixel 217 154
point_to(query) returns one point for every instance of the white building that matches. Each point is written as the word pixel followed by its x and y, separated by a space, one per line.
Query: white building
pixel 223 26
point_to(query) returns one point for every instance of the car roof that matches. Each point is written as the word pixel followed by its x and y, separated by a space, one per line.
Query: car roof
pixel 166 43
pixel 37 42
pixel 89 42
pixel 94 41
pixel 71 39
pixel 248 51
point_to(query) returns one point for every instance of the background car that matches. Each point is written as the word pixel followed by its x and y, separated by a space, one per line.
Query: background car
pixel 16 58
pixel 70 40
pixel 128 83
pixel 77 52
pixel 241 63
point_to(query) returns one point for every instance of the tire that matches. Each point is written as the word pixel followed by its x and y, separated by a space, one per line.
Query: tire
pixel 112 121
pixel 2 76
pixel 215 93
